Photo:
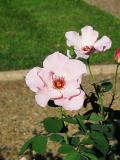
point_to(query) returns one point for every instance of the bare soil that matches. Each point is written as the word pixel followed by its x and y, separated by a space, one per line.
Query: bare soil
pixel 20 115
pixel 112 6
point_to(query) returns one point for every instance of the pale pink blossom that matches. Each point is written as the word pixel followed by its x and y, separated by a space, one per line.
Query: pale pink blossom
pixel 87 42
pixel 58 80
pixel 117 56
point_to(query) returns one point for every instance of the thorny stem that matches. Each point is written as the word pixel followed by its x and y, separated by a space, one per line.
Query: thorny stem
pixel 115 83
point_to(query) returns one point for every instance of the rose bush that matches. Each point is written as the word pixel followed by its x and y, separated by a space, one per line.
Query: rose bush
pixel 59 80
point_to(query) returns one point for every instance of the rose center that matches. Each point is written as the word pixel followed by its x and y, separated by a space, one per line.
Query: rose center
pixel 58 82
pixel 86 49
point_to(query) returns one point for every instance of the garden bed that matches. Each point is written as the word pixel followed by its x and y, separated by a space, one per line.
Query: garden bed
pixel 20 116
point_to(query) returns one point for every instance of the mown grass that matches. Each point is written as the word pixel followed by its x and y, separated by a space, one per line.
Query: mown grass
pixel 32 29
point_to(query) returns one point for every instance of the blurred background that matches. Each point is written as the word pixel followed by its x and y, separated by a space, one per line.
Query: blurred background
pixel 32 29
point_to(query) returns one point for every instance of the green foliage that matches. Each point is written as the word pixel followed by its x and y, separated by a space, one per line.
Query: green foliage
pixel 100 141
pixel 95 117
pixel 37 143
pixel 65 149
pixel 53 124
pixel 56 138
pixel 87 141
pixel 81 123
pixel 107 129
pixel 73 156
pixel 106 86
pixel 90 156
pixel 26 146
pixel 95 136
pixel 85 149
pixel 75 141
pixel 71 120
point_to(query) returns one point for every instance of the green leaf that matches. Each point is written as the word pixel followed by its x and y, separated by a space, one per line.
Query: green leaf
pixel 106 86
pixel 80 117
pixel 96 127
pixel 65 148
pixel 53 124
pixel 39 144
pixel 75 141
pixel 71 120
pixel 110 130
pixel 85 149
pixel 95 117
pixel 87 141
pixel 106 129
pixel 26 146
pixel 101 142
pixel 73 156
pixel 56 138
pixel 81 124
pixel 90 156
pixel 72 52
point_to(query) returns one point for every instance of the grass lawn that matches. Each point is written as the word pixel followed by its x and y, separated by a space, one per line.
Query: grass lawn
pixel 32 29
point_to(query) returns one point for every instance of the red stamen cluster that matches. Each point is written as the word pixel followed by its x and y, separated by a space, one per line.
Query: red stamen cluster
pixel 58 82
pixel 88 49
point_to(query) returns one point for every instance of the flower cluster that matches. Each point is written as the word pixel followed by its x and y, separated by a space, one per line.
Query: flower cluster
pixel 60 78
pixel 96 133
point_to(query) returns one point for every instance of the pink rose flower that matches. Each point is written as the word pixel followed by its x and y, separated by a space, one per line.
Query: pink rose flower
pixel 117 56
pixel 58 80
pixel 87 42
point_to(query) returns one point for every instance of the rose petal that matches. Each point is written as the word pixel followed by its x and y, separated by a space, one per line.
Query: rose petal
pixel 73 69
pixel 55 61
pixel 42 98
pixel 73 39
pixel 33 81
pixel 69 92
pixel 74 103
pixel 103 44
pixel 89 36
pixel 71 88
pixel 54 93
pixel 46 77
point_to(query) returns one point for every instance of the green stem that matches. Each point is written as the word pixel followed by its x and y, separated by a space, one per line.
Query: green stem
pixel 100 99
pixel 92 77
pixel 89 68
pixel 101 103
pixel 115 85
